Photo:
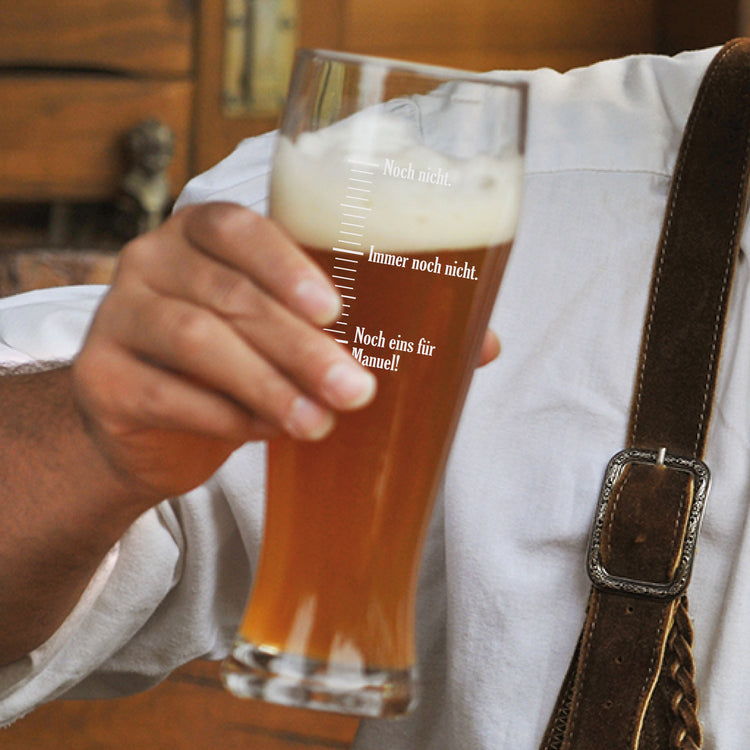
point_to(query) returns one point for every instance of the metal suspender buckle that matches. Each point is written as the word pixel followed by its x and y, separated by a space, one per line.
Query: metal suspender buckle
pixel 598 573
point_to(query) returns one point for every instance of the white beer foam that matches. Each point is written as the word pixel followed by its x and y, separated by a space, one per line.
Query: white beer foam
pixel 469 203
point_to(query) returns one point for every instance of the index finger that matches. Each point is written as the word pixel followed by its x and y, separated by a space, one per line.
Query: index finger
pixel 260 249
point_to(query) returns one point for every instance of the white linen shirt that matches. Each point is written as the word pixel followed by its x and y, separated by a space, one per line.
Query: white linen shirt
pixel 503 586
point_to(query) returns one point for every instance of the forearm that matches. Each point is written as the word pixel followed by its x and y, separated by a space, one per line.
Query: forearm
pixel 61 508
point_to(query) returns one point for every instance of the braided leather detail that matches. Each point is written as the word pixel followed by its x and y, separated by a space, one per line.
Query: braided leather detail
pixel 679 683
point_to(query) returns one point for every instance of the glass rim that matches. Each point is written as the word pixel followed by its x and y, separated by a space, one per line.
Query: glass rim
pixel 427 70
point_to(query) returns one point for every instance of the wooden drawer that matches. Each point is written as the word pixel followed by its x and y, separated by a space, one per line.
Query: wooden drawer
pixel 147 36
pixel 61 135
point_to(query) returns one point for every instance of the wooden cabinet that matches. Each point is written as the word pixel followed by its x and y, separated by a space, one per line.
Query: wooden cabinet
pixel 75 77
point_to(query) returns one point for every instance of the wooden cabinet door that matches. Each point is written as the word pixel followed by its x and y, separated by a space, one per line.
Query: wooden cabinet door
pixel 321 23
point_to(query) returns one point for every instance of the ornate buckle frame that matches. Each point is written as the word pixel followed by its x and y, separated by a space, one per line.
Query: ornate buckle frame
pixel 600 577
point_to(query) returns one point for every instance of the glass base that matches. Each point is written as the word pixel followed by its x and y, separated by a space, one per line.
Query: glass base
pixel 291 680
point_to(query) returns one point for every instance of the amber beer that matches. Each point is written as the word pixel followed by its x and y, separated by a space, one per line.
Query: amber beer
pixel 353 508
pixel 346 516
pixel 413 220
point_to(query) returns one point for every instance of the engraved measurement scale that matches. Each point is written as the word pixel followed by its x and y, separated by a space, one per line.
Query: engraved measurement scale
pixel 354 214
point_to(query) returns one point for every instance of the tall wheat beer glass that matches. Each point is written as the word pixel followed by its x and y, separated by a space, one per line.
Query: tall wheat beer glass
pixel 403 182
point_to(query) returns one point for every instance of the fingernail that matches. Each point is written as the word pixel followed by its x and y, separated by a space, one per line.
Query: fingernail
pixel 318 300
pixel 308 421
pixel 349 386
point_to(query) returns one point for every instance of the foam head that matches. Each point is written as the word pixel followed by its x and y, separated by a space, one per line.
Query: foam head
pixel 406 196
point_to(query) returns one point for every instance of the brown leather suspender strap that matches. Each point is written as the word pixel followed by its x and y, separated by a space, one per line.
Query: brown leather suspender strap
pixel 630 686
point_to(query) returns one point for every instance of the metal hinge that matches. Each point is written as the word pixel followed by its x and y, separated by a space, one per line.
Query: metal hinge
pixel 260 38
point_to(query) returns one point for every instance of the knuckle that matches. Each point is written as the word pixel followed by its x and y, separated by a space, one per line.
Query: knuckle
pixel 114 400
pixel 259 311
pixel 222 224
pixel 190 330
pixel 268 392
pixel 151 400
pixel 100 389
pixel 232 294
pixel 138 254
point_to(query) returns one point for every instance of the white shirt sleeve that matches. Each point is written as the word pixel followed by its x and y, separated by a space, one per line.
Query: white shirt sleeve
pixel 240 178
pixel 47 324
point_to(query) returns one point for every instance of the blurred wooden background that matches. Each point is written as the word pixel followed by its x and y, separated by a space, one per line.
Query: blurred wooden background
pixel 75 76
